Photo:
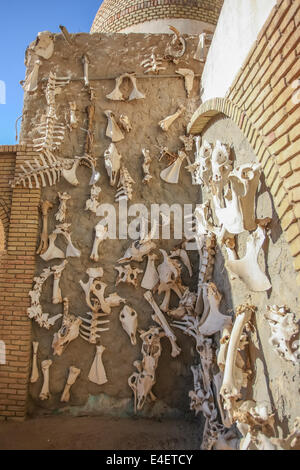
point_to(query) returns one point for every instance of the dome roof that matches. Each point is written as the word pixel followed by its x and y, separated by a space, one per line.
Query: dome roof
pixel 117 15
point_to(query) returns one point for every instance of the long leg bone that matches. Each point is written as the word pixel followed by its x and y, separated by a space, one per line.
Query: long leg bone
pixel 168 121
pixel 57 272
pixel 73 375
pixel 100 236
pixel 35 372
pixel 159 318
pixel 45 207
pixel 97 373
pixel 45 393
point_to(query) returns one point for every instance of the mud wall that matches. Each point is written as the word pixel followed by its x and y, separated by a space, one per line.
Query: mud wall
pixel 110 56
pixel 275 381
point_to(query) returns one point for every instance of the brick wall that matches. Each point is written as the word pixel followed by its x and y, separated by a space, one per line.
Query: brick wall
pixel 16 276
pixel 263 102
pixel 113 16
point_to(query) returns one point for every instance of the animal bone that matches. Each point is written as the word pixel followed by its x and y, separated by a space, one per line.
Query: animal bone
pixel 135 94
pixel 73 375
pixel 176 49
pixel 44 45
pixel 117 95
pixel 113 131
pixel 169 279
pixel 86 62
pixel 45 207
pixel 139 248
pixel 129 319
pixel 101 235
pixel 125 190
pixel 142 382
pixel 97 373
pixel 248 269
pixel 93 204
pixel 35 310
pixel 63 230
pixel 199 54
pixel 52 251
pixel 188 142
pixel 284 328
pixel 172 172
pixel 128 274
pixel 159 318
pixel 182 254
pixel 68 332
pixel 31 82
pixel 201 169
pixel 73 117
pixel 234 380
pixel 186 305
pixel 35 372
pixel 220 164
pixel 188 79
pixel 168 121
pixel 151 278
pixel 125 123
pixel 224 342
pixel 212 320
pixel 57 272
pixel 146 166
pixel 61 214
pixel 90 329
pixel 112 163
pixel 45 393
pixel 153 64
pixel 106 303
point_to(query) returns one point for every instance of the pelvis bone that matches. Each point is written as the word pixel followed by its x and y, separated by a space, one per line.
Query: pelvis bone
pixel 248 269
pixel 129 320
pixel 117 95
pixel 100 235
pixel 284 330
pixel 68 332
pixel 113 131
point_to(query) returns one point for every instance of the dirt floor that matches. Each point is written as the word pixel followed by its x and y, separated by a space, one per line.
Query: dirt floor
pixel 93 433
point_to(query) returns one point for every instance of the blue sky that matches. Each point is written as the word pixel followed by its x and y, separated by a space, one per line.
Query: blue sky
pixel 20 23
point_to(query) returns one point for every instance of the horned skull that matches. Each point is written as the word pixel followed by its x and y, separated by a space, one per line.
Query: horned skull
pixel 129 320
pixel 68 331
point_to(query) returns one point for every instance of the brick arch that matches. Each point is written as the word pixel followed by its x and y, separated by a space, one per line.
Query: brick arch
pixel 286 199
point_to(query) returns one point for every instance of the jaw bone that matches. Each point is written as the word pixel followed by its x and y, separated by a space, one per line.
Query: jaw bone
pixel 112 163
pixel 73 375
pixel 168 121
pixel 248 269
pixel 284 328
pixel 68 332
pixel 159 318
pixel 172 172
pixel 129 319
pixel 188 75
pixel 97 373
pixel 100 236
pixel 35 372
pixel 45 393
pixel 113 131
pixel 45 207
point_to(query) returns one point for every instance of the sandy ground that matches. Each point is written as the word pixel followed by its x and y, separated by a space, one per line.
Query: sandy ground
pixel 89 433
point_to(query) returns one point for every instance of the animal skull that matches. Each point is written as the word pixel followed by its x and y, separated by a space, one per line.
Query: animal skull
pixel 112 163
pixel 129 320
pixel 68 331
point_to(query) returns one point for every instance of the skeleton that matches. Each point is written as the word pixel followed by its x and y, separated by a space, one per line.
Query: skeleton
pixel 73 117
pixel 125 123
pixel 68 332
pixel 146 166
pixel 45 393
pixel 153 64
pixel 113 131
pixel 73 375
pixel 151 278
pixel 128 275
pixel 172 172
pixel 112 163
pixel 129 319
pixel 169 280
pixel 61 214
pixel 91 328
pixel 142 382
pixel 201 169
pixel 159 318
pixel 101 235
pixel 93 204
pixel 234 376
pixel 35 310
pixel 188 79
pixel 177 47
pixel 97 372
pixel 284 329
pixel 35 372
pixel 166 123
pixel 45 207
pixel 125 190
pixel 248 269
pixel 117 95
